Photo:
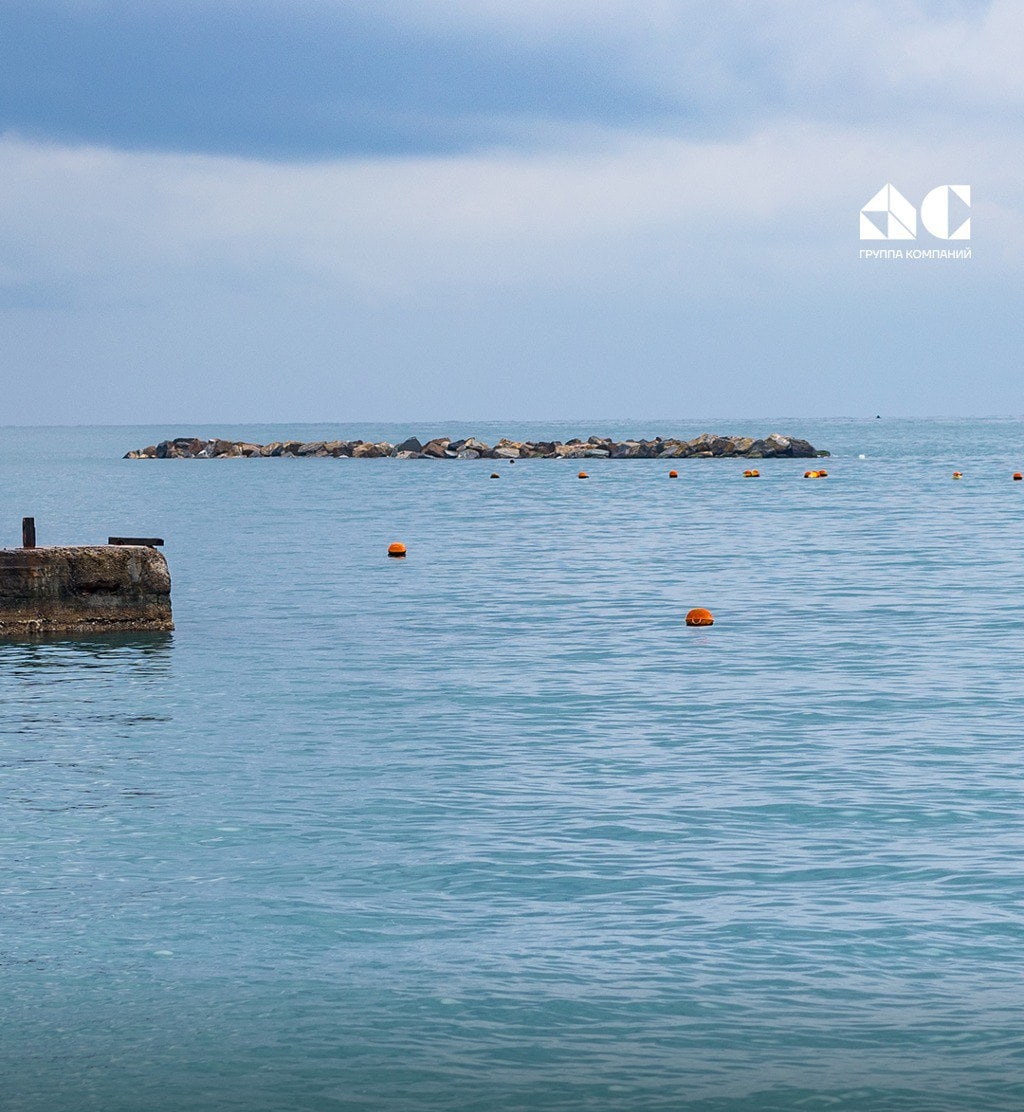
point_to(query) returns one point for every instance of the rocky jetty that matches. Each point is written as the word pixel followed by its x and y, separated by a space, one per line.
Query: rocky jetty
pixel 706 446
pixel 83 589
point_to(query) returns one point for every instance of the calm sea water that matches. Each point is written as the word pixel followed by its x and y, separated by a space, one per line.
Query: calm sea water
pixel 490 828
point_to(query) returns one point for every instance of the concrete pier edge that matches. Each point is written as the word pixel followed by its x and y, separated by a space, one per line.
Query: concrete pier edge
pixel 84 589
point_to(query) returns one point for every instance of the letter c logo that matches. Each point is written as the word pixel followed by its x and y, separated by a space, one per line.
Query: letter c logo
pixel 945 212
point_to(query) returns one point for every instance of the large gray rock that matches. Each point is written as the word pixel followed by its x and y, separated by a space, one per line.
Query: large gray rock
pixel 801 449
pixel 777 445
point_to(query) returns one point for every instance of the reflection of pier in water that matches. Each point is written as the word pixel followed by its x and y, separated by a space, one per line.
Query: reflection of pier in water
pixel 85 722
pixel 85 729
pixel 48 649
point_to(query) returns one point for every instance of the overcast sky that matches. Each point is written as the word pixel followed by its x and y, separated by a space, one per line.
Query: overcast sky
pixel 342 210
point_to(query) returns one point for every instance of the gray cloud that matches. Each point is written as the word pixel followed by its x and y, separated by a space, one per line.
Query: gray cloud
pixel 739 62
pixel 681 225
pixel 326 78
pixel 629 274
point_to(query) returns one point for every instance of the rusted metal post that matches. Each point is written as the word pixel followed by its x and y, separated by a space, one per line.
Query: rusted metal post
pixel 28 532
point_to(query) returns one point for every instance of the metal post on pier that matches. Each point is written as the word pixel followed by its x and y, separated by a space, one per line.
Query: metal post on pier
pixel 28 532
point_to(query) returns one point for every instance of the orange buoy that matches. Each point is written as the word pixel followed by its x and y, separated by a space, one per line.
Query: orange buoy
pixel 810 474
pixel 700 617
pixel 754 475
pixel 822 474
pixel 673 474
pixel 396 550
pixel 495 475
pixel 1017 476
pixel 583 475
pixel 958 474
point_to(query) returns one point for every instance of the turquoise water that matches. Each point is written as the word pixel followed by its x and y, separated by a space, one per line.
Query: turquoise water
pixel 490 828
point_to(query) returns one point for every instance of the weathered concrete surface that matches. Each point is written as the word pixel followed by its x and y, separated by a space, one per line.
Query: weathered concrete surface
pixel 84 589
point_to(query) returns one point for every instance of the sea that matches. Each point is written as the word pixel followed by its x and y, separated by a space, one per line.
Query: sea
pixel 490 828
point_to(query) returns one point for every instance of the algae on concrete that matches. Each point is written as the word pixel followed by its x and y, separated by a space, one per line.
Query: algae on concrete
pixel 83 589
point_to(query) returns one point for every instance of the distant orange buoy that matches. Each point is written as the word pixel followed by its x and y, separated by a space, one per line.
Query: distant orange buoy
pixel 673 474
pixel 700 617
pixel 754 475
pixel 1017 476
pixel 822 474
pixel 583 475
pixel 810 474
pixel 396 550
pixel 958 474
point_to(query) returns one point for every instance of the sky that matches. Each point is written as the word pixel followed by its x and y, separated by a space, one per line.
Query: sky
pixel 412 210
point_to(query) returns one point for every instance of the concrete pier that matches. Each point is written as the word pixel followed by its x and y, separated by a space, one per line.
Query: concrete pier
pixel 84 589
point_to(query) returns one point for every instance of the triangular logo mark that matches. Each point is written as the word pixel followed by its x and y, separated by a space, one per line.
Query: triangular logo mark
pixel 888 215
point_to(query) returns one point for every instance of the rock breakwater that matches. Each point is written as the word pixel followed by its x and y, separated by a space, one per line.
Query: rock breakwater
pixel 705 446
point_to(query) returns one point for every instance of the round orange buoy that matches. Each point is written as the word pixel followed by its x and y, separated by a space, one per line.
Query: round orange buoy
pixel 583 475
pixel 810 474
pixel 754 475
pixel 1017 476
pixel 700 617
pixel 495 475
pixel 673 474
pixel 958 474
pixel 822 474
pixel 396 550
